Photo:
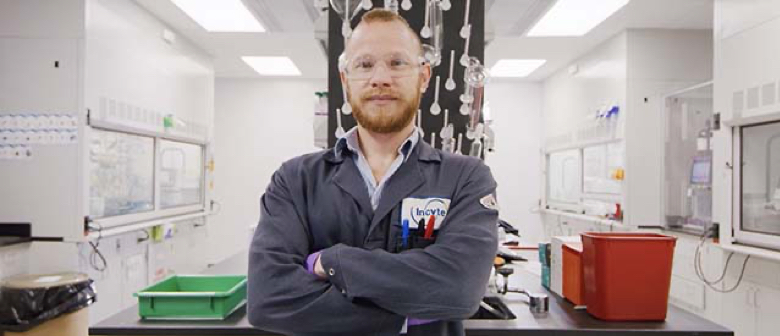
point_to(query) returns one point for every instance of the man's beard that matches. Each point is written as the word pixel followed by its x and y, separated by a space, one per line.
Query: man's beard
pixel 383 121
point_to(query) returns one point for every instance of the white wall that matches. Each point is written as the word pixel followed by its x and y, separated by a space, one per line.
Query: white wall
pixel 516 108
pixel 259 123
pixel 571 99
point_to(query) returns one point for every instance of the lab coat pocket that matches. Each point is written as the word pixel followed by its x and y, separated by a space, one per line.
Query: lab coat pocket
pixel 414 242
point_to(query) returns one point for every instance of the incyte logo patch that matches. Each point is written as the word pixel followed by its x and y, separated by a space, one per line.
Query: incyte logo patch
pixel 415 209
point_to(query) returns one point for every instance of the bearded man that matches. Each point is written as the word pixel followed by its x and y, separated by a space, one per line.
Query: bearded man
pixel 381 234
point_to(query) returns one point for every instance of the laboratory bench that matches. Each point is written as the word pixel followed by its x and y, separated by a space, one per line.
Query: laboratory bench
pixel 562 318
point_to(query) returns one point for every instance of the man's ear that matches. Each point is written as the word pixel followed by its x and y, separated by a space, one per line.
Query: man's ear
pixel 426 77
pixel 343 82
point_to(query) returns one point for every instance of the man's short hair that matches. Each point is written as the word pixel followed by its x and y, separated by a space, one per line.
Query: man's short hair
pixel 383 15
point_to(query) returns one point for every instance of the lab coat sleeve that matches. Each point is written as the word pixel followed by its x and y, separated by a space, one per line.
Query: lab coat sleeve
pixel 283 297
pixel 444 281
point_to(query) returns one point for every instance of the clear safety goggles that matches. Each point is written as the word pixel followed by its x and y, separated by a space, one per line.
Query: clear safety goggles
pixel 397 65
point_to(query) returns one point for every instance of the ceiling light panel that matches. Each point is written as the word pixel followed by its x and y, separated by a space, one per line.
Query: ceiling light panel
pixel 220 16
pixel 272 65
pixel 515 67
pixel 575 17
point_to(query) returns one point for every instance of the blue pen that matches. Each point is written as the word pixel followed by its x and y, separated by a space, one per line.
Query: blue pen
pixel 405 232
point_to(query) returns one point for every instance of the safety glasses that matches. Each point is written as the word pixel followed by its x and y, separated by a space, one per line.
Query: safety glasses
pixel 398 65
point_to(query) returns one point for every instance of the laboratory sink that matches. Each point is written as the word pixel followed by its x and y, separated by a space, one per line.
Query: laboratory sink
pixel 492 308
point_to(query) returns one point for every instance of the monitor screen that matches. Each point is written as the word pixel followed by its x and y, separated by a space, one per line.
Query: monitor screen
pixel 700 172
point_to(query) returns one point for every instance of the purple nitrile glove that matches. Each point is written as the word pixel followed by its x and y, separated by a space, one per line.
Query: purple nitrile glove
pixel 310 261
pixel 412 322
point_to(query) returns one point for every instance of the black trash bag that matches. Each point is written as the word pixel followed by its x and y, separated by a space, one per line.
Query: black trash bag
pixel 22 309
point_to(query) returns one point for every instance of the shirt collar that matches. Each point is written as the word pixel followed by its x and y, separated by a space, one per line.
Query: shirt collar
pixel 350 142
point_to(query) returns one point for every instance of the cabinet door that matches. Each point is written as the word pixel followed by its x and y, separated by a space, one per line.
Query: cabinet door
pixel 767 306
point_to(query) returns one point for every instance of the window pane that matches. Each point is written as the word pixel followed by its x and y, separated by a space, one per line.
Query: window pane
pixel 121 174
pixel 761 178
pixel 181 172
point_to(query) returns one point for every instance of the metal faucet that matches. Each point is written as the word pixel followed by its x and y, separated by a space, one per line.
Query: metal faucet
pixel 537 302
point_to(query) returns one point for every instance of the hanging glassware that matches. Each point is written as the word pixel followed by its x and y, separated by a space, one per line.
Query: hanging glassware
pixel 391 5
pixel 464 59
pixel 435 108
pixel 431 55
pixel 426 30
pixel 465 31
pixel 450 84
pixel 339 129
pixel 476 77
pixel 346 107
pixel 436 24
pixel 346 9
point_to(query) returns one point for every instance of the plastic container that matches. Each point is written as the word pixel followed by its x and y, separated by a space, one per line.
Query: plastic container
pixel 193 297
pixel 627 275
pixel 573 284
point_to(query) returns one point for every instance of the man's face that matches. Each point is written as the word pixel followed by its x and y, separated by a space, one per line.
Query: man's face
pixel 384 78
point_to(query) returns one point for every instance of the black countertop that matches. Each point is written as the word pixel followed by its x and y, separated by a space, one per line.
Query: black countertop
pixel 562 319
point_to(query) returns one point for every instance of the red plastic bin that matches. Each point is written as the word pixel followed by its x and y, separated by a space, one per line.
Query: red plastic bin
pixel 627 275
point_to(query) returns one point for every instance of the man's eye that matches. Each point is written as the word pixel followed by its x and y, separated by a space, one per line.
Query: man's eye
pixel 397 63
pixel 364 65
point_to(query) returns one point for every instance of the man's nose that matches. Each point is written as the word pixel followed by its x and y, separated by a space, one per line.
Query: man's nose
pixel 381 76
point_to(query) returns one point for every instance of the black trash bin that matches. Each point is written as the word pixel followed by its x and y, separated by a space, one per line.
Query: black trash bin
pixel 51 304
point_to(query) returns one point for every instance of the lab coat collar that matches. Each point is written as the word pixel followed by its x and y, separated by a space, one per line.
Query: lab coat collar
pixel 347 177
pixel 422 150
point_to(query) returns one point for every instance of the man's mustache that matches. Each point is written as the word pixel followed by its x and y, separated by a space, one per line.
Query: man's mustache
pixel 379 94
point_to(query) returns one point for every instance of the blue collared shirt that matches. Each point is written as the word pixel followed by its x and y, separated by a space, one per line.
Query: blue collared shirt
pixel 350 140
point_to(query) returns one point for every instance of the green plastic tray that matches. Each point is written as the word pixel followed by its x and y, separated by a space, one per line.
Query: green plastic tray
pixel 193 297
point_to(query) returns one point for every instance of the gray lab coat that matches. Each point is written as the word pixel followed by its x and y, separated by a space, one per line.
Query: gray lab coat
pixel 319 202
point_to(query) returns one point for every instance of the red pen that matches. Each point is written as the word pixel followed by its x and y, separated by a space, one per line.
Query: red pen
pixel 429 228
